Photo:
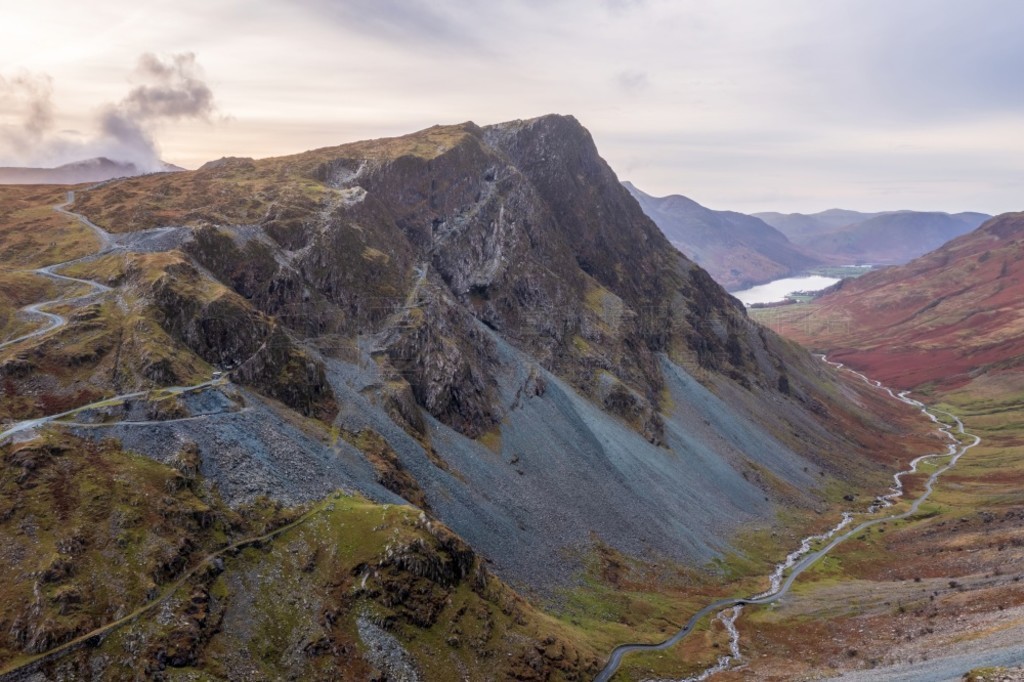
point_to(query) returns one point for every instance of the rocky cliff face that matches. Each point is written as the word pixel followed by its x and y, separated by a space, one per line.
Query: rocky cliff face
pixel 222 329
pixel 543 369
pixel 521 227
pixel 478 321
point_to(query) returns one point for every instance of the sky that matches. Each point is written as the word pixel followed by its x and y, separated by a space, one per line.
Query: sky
pixel 748 105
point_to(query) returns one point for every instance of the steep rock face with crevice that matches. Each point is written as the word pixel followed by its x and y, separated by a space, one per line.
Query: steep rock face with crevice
pixel 222 329
pixel 521 225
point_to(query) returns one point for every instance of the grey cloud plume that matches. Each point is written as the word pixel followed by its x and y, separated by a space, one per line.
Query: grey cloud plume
pixel 27 99
pixel 166 90
pixel 175 91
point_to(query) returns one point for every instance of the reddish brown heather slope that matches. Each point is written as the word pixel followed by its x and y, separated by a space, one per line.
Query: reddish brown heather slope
pixel 942 318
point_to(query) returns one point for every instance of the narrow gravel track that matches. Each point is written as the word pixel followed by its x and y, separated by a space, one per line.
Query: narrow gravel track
pixel 52 321
pixel 55 321
pixel 20 669
pixel 30 424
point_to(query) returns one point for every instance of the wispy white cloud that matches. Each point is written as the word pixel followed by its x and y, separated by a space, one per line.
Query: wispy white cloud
pixel 26 109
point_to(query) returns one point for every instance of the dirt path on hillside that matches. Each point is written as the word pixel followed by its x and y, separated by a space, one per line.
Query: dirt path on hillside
pixel 53 321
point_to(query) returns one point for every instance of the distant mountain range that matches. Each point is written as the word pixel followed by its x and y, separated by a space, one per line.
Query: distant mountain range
pixel 89 170
pixel 888 238
pixel 741 250
pixel 738 250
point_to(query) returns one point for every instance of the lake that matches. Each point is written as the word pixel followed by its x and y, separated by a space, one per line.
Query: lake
pixel 777 290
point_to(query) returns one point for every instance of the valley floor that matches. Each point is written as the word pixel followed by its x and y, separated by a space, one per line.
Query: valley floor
pixel 927 599
pixel 931 598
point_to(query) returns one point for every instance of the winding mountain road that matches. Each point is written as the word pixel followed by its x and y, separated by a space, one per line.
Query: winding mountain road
pixel 20 668
pixel 54 321
pixel 803 558
pixel 106 240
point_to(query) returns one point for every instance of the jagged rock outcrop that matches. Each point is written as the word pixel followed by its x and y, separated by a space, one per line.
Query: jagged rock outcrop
pixel 218 326
pixel 497 307
pixel 521 227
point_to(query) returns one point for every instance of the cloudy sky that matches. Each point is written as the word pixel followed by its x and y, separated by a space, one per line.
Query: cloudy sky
pixel 792 105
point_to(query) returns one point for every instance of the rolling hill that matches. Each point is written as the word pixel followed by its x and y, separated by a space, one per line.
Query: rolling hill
pixel 89 170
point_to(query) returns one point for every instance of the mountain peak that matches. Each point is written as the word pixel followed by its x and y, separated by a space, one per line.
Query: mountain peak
pixel 481 322
pixel 96 161
pixel 556 130
pixel 468 289
pixel 96 169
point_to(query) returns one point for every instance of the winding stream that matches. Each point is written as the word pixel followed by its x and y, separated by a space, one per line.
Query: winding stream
pixel 801 559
